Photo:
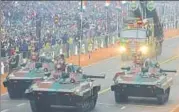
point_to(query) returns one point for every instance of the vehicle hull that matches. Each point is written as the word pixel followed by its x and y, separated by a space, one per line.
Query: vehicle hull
pixel 16 88
pixel 46 101
pixel 56 99
pixel 136 90
pixel 123 91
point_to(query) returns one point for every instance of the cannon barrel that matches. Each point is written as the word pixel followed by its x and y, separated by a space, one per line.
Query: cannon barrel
pixel 94 76
pixel 162 70
pixel 125 68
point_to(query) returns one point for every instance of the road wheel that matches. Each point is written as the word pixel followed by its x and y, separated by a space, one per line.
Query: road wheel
pixel 33 106
pixel 14 94
pixel 161 99
pixel 124 98
pixel 167 94
pixel 120 97
pixel 117 97
pixel 39 107
pixel 93 102
pixel 83 106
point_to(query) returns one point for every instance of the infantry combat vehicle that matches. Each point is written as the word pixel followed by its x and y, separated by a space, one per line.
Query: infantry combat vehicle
pixel 147 81
pixel 72 90
pixel 20 79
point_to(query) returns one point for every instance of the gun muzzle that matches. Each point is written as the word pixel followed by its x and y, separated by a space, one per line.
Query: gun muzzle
pixel 95 76
pixel 173 71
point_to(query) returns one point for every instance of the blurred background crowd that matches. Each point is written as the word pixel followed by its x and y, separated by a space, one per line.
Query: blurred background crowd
pixel 60 21
pixel 24 21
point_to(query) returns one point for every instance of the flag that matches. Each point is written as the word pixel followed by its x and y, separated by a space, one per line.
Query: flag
pixel 118 5
pixel 107 3
pixel 84 3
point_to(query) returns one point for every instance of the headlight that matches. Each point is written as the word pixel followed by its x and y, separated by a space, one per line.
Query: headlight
pixel 158 84
pixel 77 91
pixel 122 49
pixel 144 49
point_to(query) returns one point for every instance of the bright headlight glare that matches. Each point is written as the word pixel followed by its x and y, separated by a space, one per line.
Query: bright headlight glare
pixel 144 49
pixel 77 91
pixel 122 49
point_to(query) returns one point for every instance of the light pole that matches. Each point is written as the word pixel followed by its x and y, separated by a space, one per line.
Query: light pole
pixel 117 22
pixel 107 36
pixel 1 14
pixel 118 10
pixel 81 31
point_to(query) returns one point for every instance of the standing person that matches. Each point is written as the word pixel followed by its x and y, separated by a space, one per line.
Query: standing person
pixel 53 40
pixel 3 53
pixel 24 49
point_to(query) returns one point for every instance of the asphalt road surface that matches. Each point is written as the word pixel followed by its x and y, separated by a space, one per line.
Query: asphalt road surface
pixel 106 103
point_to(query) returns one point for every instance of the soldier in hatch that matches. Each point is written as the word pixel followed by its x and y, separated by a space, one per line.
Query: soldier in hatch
pixel 61 60
pixel 34 56
pixel 151 66
pixel 57 73
pixel 60 66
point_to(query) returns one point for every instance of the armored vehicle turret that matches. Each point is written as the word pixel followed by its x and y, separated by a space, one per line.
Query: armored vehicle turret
pixel 72 90
pixel 147 81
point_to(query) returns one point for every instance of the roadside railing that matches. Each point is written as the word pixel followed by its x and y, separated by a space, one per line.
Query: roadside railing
pixel 87 46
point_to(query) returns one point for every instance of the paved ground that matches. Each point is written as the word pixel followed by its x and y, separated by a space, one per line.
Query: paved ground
pixel 106 101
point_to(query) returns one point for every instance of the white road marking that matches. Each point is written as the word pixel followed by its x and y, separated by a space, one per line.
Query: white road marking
pixel 4 94
pixel 105 104
pixel 5 110
pixel 123 107
pixel 21 104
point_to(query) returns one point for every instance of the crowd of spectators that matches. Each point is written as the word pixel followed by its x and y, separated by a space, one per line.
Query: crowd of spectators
pixel 20 21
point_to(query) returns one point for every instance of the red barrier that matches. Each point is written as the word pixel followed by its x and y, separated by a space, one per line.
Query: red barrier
pixel 171 33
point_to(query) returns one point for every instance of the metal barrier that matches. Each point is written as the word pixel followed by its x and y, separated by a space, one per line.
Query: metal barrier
pixel 87 45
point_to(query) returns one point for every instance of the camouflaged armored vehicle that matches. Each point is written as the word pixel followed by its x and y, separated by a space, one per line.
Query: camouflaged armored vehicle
pixel 72 90
pixel 142 82
pixel 20 79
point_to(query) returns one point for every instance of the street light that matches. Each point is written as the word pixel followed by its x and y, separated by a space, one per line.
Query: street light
pixel 118 10
pixel 124 2
pixel 81 28
pixel 107 6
